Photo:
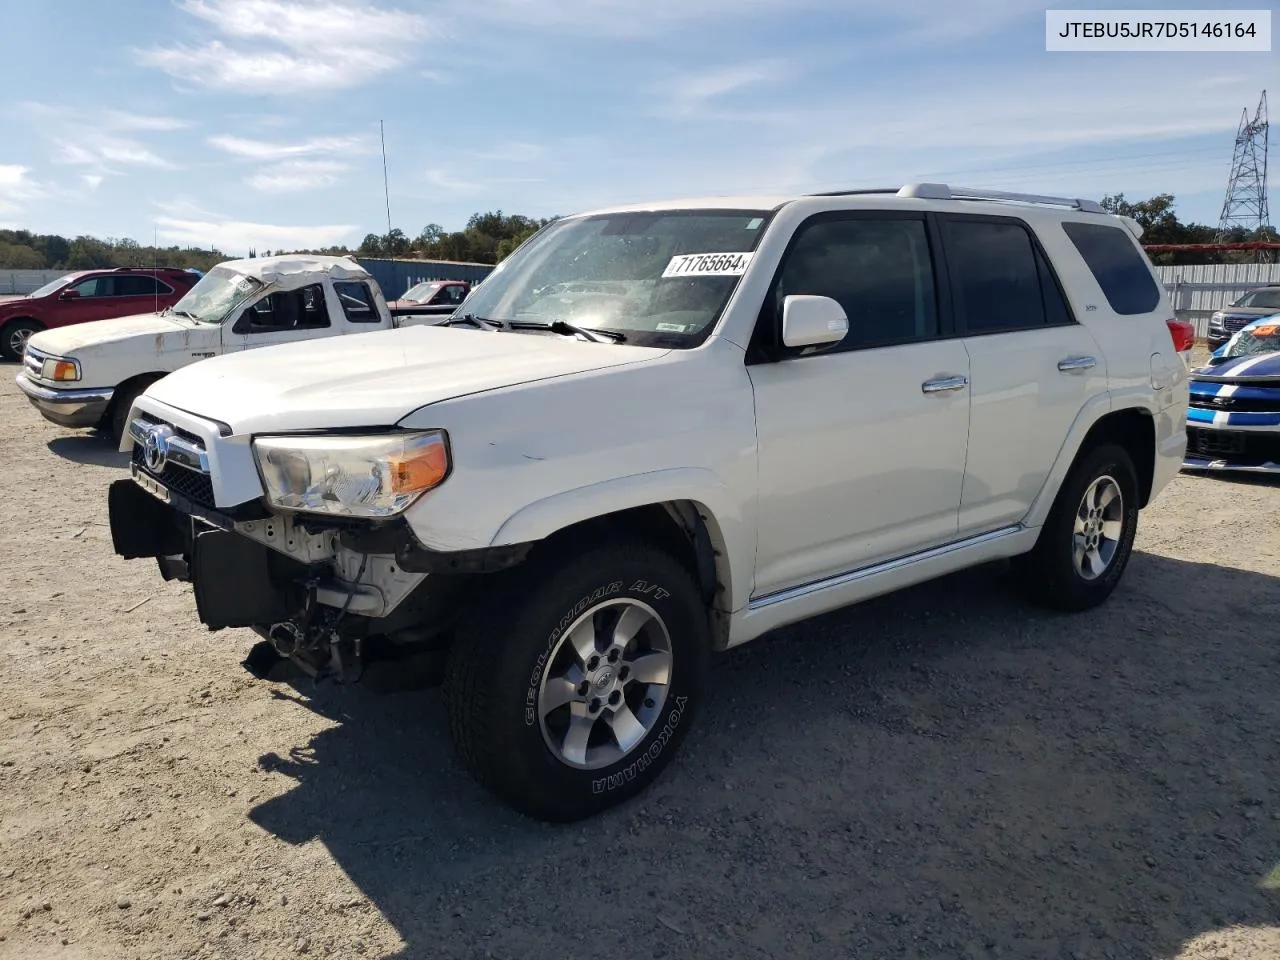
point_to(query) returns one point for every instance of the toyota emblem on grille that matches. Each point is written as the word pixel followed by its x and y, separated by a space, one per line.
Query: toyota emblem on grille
pixel 155 448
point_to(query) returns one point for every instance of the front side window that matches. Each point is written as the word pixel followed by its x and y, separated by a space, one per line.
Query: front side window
pixel 94 287
pixel 659 278
pixel 357 302
pixel 879 269
pixel 216 296
pixel 995 274
pixel 1120 267
pixel 302 309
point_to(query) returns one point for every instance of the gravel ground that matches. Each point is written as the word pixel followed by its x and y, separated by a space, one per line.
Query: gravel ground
pixel 944 773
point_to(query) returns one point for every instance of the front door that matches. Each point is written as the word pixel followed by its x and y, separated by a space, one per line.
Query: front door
pixel 1032 366
pixel 861 446
pixel 285 316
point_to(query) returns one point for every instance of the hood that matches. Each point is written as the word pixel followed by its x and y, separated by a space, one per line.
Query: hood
pixel 66 341
pixel 1247 311
pixel 1260 368
pixel 375 379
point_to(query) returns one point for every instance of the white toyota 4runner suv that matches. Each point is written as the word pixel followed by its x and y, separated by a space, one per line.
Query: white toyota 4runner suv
pixel 659 431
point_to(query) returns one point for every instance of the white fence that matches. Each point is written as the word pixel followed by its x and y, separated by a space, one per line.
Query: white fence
pixel 26 281
pixel 1197 290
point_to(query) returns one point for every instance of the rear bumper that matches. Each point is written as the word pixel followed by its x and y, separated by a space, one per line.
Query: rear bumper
pixel 67 408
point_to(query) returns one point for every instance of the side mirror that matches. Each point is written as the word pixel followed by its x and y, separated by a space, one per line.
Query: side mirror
pixel 71 293
pixel 812 321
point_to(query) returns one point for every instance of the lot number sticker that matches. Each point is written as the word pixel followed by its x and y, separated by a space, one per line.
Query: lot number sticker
pixel 708 265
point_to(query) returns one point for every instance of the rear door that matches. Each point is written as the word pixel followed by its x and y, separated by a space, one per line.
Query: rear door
pixel 1032 364
pixel 139 293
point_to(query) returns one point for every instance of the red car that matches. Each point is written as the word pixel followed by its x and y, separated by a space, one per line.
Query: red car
pixel 89 295
pixel 431 297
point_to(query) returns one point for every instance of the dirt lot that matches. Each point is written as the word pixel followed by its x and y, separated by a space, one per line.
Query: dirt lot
pixel 945 773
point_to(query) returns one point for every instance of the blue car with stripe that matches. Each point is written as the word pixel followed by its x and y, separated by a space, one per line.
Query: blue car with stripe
pixel 1233 421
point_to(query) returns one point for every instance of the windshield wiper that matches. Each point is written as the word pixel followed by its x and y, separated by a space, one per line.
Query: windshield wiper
pixel 484 323
pixel 569 329
pixel 183 313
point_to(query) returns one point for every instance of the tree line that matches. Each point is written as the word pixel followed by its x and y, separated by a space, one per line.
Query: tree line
pixel 489 237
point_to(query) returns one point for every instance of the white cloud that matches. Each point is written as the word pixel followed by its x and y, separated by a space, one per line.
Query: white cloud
pixel 99 151
pixel 697 93
pixel 236 237
pixel 449 183
pixel 92 180
pixel 294 176
pixel 264 150
pixel 288 46
pixel 17 187
pixel 123 120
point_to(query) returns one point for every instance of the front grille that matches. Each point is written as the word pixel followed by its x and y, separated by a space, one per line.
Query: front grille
pixel 34 366
pixel 1232 324
pixel 196 487
pixel 1236 404
pixel 1239 446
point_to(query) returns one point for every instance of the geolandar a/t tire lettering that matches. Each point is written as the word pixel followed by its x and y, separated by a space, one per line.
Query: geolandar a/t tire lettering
pixel 574 687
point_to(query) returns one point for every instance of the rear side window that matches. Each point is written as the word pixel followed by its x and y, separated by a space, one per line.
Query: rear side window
pixel 357 302
pixel 140 286
pixel 995 272
pixel 1117 264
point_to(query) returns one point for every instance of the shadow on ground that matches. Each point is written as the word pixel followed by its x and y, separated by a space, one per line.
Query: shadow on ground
pixel 94 448
pixel 942 773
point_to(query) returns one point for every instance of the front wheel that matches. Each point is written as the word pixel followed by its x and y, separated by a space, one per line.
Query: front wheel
pixel 574 687
pixel 14 337
pixel 1088 536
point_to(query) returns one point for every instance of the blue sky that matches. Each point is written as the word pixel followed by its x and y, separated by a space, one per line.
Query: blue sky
pixel 255 122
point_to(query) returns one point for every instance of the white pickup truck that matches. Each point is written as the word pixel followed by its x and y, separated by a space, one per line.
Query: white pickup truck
pixel 89 374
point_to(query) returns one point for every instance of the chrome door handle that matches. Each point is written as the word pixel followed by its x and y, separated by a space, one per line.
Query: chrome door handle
pixel 1077 363
pixel 944 384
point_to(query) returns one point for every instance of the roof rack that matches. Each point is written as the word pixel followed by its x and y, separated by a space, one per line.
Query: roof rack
pixel 941 191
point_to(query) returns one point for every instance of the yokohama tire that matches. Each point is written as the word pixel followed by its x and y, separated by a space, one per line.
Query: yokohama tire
pixel 1051 573
pixel 510 654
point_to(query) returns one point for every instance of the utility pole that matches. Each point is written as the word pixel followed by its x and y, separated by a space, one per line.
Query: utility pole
pixel 386 187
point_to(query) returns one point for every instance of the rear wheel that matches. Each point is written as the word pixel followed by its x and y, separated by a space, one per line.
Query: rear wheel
pixel 14 337
pixel 574 686
pixel 1088 536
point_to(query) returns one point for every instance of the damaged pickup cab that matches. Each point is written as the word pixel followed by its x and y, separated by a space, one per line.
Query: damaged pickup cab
pixel 88 375
pixel 657 432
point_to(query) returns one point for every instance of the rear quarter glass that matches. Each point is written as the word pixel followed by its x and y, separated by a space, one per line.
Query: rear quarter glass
pixel 1118 264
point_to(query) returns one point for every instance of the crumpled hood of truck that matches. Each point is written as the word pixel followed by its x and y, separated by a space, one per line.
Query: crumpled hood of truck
pixel 374 379
pixel 145 331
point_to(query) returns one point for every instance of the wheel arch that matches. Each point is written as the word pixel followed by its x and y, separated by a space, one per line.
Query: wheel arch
pixel 125 388
pixel 1131 425
pixel 686 511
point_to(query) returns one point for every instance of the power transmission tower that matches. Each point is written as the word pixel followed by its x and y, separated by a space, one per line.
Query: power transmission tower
pixel 1245 205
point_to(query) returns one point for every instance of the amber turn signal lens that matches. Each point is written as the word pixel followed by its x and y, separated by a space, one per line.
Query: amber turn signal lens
pixel 419 469
pixel 62 370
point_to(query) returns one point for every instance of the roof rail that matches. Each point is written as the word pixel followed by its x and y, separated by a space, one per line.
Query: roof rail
pixel 941 191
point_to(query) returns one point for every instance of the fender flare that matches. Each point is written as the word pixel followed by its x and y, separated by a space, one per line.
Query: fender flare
pixel 1089 416
pixel 731 540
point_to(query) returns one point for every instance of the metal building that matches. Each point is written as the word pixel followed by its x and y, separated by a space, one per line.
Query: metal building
pixel 397 276
pixel 1197 290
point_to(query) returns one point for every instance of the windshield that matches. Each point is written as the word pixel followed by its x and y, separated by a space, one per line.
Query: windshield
pixel 1268 299
pixel 660 278
pixel 215 295
pixel 421 293
pixel 1264 338
pixel 53 285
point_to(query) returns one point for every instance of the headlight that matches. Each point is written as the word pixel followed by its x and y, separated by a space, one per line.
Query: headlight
pixel 1216 320
pixel 361 476
pixel 58 368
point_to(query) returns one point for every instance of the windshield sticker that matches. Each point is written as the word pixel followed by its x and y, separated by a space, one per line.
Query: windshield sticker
pixel 673 327
pixel 708 265
pixel 243 284
pixel 754 223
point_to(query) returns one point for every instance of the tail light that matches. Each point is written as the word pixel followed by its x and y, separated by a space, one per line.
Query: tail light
pixel 1183 333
